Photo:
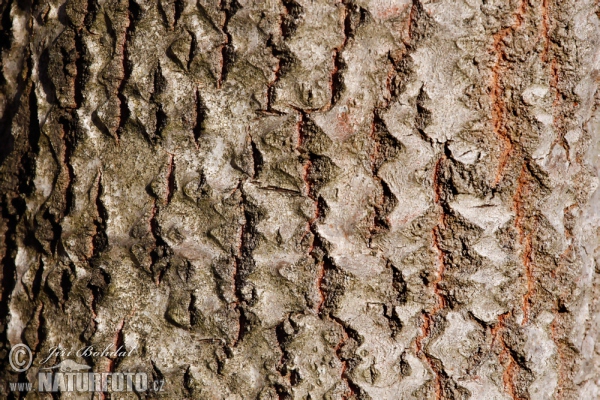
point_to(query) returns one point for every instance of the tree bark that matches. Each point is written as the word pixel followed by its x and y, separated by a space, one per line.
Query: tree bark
pixel 304 199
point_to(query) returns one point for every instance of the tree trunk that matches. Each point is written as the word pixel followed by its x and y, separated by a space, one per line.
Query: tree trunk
pixel 303 199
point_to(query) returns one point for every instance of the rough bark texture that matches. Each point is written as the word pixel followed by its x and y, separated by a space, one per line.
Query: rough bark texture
pixel 305 199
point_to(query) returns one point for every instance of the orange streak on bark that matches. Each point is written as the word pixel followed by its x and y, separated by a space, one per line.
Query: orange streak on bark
pixel 545 30
pixel 441 300
pixel 344 376
pixel 496 92
pixel 411 18
pixel 525 239
pixel 441 270
pixel 426 330
pixel 435 236
pixel 505 356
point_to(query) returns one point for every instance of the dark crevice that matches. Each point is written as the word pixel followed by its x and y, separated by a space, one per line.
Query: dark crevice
pixel 81 74
pixel 70 141
pixel 423 118
pixel 161 252
pixel 292 18
pixel 171 182
pixel 346 352
pixel 6 135
pixel 98 286
pixel 193 50
pixel 246 321
pixel 188 381
pixel 12 193
pixel 161 121
pixel 284 336
pixel 229 7
pixel 193 311
pixel 385 148
pixel 134 13
pixel 201 115
pixel 42 331
pixel 245 264
pixel 100 239
pixel 55 230
pixel 92 10
pixel 36 286
pixel 28 161
pixel 160 86
pixel 11 214
pixel 179 7
pixel 65 284
pixel 119 343
pixel 355 16
pixel 399 285
pixel 285 61
pixel 319 170
pixel 6 24
pixel 164 13
pixel 258 160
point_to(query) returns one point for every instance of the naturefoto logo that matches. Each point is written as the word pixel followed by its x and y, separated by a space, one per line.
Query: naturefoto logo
pixel 71 376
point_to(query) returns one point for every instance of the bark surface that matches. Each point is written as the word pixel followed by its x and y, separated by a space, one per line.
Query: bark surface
pixel 304 199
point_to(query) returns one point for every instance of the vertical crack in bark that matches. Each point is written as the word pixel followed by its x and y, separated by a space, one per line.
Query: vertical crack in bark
pixel 244 263
pixel 229 8
pixel 556 328
pixel 385 147
pixel 99 239
pixel 201 114
pixel 545 30
pixel 497 91
pixel 160 85
pixel 283 335
pixel 237 279
pixel 310 192
pixel 16 184
pixel 170 179
pixel 416 12
pixel 278 53
pixel 79 67
pixel 117 342
pixel 193 49
pixel 133 13
pixel 558 119
pixel 319 248
pixel 179 7
pixel 429 317
pixel 69 141
pixel 40 331
pixel 525 239
pixel 291 18
pixel 156 251
pixel 505 356
pixel 257 159
pixel 337 351
pixel 97 285
pixel 336 81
